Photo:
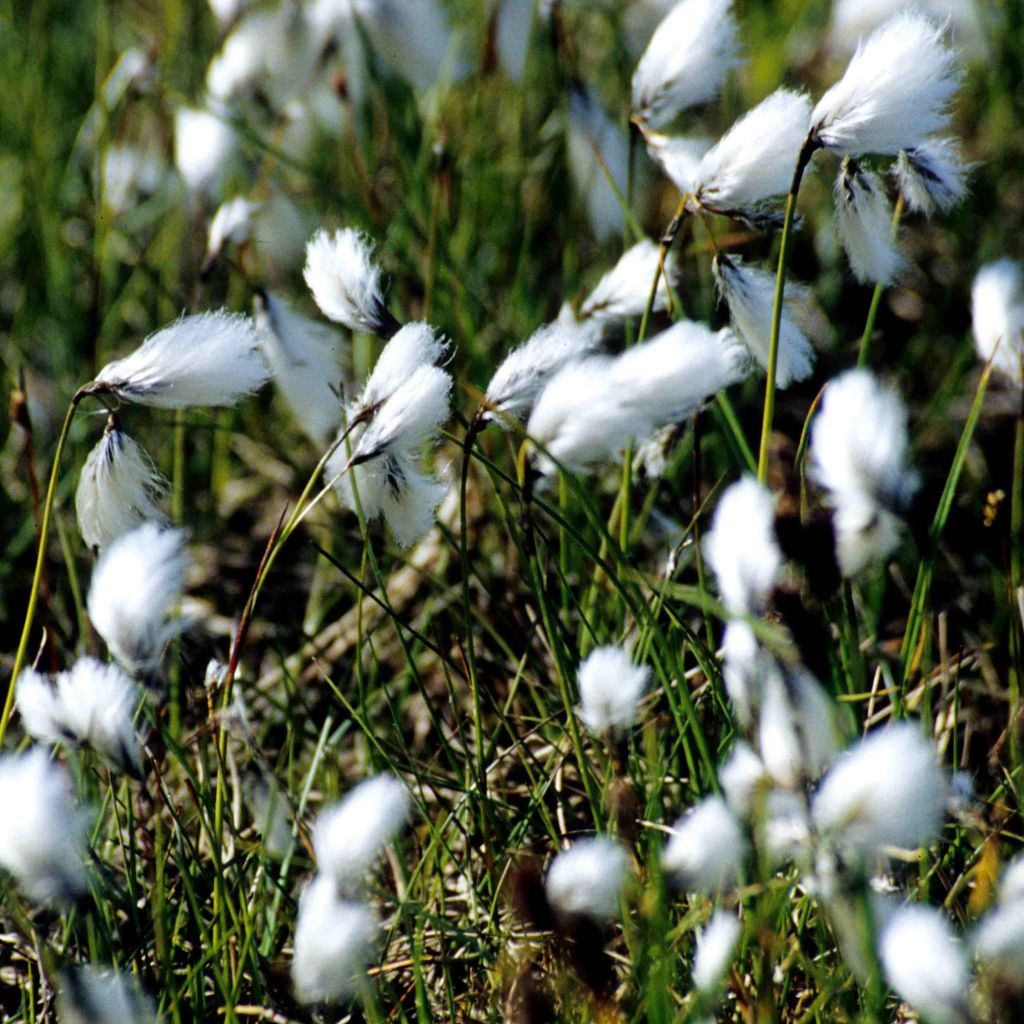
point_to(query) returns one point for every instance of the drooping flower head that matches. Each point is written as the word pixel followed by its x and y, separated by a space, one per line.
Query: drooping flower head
pixel 864 223
pixel 997 308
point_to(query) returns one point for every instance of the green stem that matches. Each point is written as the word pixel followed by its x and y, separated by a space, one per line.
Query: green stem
pixel 876 298
pixel 44 529
pixel 806 152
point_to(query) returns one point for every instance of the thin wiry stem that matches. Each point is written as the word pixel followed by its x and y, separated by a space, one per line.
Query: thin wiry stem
pixel 876 298
pixel 806 152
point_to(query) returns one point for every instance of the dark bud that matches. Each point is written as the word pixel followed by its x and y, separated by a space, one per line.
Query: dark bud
pixel 527 897
pixel 529 1000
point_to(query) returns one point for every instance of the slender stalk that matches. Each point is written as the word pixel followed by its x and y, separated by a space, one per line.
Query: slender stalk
pixel 876 298
pixel 806 152
pixel 1016 526
pixel 44 529
pixel 663 249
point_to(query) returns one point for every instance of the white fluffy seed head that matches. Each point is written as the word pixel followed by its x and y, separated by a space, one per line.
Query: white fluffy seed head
pixel 623 292
pixel 925 964
pixel 716 945
pixel 202 360
pixel 335 940
pixel 750 295
pixel 1011 883
pixel 118 489
pixel 304 357
pixel 859 443
pixel 742 549
pixel 525 370
pixel 866 533
pixel 204 145
pixel 413 346
pixel 754 160
pixel 932 176
pixel 997 309
pixel 686 61
pixel 136 585
pixel 680 158
pixel 351 835
pixel 887 791
pixel 895 93
pixel 999 941
pixel 744 668
pixel 706 849
pixel 91 705
pixel 741 777
pixel 42 835
pixel 587 879
pixel 93 995
pixel 864 224
pixel 610 690
pixel 346 281
pixel 410 417
pixel 231 225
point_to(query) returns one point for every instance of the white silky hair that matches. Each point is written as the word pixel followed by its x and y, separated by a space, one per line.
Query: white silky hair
pixel 205 145
pixel 587 879
pixel 896 90
pixel 209 359
pixel 412 346
pixel 866 533
pixel 87 994
pixel 231 225
pixel 860 441
pixel 864 225
pixel 742 548
pixel 351 835
pixel 686 61
pixel 679 157
pixel 410 416
pixel 610 687
pixel 136 586
pixel 886 791
pixel 305 359
pixel 335 939
pixel 119 488
pixel 997 311
pixel 706 848
pixel 925 963
pixel 522 374
pixel 749 292
pixel 42 836
pixel 93 705
pixel 716 946
pixel 622 293
pixel 345 280
pixel 932 176
pixel 755 158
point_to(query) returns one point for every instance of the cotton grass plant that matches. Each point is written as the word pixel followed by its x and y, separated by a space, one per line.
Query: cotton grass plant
pixel 681 705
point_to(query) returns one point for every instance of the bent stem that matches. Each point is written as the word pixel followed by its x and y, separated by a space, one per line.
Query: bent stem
pixel 806 152
pixel 876 298
pixel 44 529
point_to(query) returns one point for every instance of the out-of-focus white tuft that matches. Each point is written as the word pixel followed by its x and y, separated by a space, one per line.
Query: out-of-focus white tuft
pixel 91 705
pixel 999 940
pixel 686 61
pixel 335 940
pixel 610 690
pixel 93 995
pixel 525 370
pixel 755 158
pixel 742 548
pixel 750 295
pixel 136 585
pixel 119 488
pixel 866 533
pixel 351 835
pixel 587 879
pixel 997 309
pixel 42 834
pixel 623 292
pixel 346 281
pixel 706 849
pixel 231 225
pixel 886 791
pixel 896 90
pixel 740 777
pixel 206 359
pixel 864 223
pixel 925 964
pixel 130 174
pixel 305 359
pixel 932 176
pixel 591 129
pixel 204 147
pixel 744 666
pixel 716 944
pixel 678 157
